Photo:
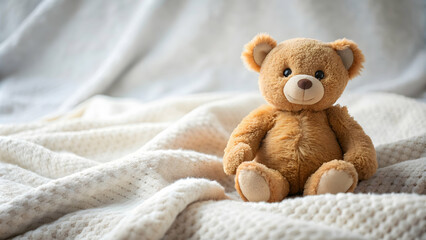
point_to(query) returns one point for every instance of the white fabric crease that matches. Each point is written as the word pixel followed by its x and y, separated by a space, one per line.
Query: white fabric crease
pixel 121 169
pixel 54 54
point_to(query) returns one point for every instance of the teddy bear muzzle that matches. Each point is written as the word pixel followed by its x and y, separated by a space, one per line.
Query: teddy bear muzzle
pixel 303 89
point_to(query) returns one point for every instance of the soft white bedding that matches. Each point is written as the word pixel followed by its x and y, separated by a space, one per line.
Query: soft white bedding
pixel 119 169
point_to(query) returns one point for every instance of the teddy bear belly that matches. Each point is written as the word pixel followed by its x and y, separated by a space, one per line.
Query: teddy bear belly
pixel 298 151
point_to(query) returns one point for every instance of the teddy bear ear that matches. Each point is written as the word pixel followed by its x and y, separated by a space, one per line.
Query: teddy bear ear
pixel 350 54
pixel 256 50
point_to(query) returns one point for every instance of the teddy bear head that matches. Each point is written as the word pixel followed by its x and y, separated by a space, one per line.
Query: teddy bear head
pixel 302 73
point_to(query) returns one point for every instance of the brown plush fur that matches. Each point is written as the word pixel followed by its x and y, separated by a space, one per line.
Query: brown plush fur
pixel 294 139
pixel 246 138
pixel 247 55
pixel 303 56
pixel 356 67
pixel 357 146
pixel 297 145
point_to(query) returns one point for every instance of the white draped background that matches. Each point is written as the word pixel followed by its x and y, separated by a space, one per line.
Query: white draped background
pixel 56 53
pixel 149 166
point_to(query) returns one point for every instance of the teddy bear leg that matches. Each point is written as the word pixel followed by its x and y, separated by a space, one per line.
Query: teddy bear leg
pixel 257 183
pixel 332 177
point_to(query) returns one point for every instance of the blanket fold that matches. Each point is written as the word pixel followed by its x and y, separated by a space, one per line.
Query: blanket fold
pixel 122 169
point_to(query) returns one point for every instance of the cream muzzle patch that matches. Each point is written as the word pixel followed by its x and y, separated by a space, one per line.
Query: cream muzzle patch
pixel 303 89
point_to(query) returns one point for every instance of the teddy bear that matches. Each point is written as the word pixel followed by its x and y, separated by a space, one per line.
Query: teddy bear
pixel 300 142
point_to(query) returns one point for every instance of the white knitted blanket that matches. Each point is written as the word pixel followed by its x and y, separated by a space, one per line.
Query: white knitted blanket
pixel 120 169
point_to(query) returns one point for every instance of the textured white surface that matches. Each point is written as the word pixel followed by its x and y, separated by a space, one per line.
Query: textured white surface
pixel 56 53
pixel 119 169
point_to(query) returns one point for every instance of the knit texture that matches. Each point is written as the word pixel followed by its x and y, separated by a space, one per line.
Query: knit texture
pixel 121 169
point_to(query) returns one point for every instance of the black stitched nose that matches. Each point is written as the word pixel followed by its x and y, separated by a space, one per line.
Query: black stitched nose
pixel 304 83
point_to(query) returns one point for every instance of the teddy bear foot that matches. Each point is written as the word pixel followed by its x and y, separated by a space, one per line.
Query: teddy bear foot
pixel 257 183
pixel 253 186
pixel 332 177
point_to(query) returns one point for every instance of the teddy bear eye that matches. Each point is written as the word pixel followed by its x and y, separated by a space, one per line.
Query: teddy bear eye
pixel 319 74
pixel 287 72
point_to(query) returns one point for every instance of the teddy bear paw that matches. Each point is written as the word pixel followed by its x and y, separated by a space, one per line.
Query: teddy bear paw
pixel 253 186
pixel 336 176
pixel 334 181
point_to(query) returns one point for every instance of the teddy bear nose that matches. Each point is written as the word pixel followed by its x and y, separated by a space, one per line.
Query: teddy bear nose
pixel 304 83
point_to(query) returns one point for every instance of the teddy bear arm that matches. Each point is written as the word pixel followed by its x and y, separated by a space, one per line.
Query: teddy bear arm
pixel 245 139
pixel 357 146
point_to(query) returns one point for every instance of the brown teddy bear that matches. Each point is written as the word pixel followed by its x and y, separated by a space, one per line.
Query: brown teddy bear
pixel 300 142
